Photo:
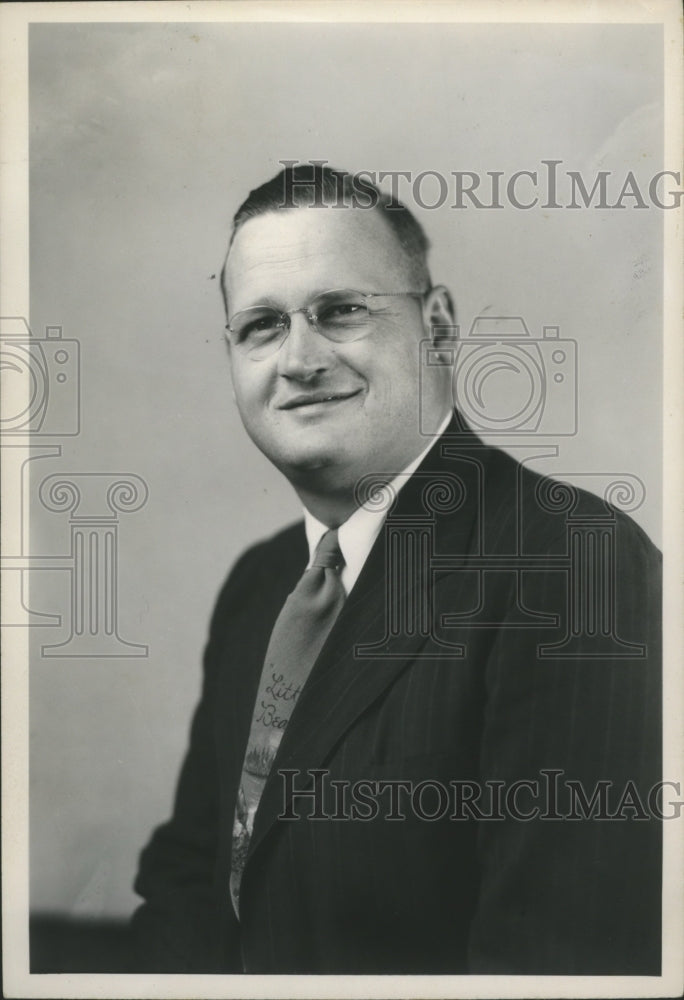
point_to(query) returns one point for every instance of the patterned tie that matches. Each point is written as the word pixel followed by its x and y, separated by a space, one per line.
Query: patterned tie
pixel 297 638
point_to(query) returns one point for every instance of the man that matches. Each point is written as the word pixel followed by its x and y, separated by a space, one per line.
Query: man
pixel 363 665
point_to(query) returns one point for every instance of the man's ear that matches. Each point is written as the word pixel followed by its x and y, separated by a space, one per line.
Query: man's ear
pixel 440 315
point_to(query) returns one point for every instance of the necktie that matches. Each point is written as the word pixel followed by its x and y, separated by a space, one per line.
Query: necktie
pixel 297 638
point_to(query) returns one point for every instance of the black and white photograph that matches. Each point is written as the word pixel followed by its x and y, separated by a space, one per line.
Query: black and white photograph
pixel 341 477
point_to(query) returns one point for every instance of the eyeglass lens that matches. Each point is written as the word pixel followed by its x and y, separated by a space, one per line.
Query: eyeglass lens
pixel 338 315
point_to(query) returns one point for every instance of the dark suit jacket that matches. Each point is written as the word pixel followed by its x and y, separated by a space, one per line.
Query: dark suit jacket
pixel 434 672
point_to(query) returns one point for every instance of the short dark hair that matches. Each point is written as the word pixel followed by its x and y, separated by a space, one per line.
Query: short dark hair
pixel 303 185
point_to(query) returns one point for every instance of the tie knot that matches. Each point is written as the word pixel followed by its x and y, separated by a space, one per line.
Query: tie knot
pixel 328 554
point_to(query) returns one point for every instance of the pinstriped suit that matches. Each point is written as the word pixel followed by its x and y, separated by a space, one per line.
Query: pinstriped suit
pixel 464 703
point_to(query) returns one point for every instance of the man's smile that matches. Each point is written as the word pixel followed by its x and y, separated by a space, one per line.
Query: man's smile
pixel 318 399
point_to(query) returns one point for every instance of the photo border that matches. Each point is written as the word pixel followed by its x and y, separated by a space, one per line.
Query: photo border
pixel 15 19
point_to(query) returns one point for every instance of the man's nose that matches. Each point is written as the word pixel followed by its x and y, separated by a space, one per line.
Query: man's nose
pixel 304 352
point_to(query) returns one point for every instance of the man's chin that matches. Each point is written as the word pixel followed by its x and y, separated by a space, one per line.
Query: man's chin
pixel 307 460
pixel 313 463
pixel 317 462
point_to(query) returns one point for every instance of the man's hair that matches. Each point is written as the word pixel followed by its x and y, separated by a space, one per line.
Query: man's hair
pixel 304 185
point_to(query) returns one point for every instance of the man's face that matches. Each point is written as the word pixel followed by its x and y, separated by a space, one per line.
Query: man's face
pixel 321 410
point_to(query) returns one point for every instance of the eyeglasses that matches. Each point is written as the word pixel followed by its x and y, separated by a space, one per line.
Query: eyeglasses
pixel 342 315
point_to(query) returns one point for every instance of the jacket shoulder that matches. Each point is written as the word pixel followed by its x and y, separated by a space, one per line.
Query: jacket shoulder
pixel 277 555
pixel 545 505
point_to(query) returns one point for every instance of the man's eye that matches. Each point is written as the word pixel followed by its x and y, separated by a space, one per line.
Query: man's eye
pixel 258 327
pixel 342 311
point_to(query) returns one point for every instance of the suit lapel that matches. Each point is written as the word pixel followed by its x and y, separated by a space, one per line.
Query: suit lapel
pixel 342 684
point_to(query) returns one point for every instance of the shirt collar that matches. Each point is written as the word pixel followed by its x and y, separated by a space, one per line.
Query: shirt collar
pixel 357 534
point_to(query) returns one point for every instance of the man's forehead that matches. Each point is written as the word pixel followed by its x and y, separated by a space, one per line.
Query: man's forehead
pixel 337 246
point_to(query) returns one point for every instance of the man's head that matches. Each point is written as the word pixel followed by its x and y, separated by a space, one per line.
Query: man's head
pixel 332 404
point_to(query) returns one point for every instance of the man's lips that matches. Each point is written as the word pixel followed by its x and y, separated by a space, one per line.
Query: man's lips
pixel 311 398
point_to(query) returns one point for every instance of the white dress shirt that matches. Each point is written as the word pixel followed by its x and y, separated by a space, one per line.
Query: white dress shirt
pixel 357 534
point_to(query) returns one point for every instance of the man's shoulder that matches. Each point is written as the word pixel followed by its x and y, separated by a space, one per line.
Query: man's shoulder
pixel 283 552
pixel 555 504
pixel 539 508
pixel 287 543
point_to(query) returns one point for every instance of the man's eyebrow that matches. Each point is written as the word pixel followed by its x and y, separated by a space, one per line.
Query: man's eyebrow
pixel 278 302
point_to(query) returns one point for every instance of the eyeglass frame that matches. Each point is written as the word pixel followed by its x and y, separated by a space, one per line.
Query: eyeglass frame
pixel 285 315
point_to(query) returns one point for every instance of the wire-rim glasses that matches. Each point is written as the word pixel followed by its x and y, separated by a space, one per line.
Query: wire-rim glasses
pixel 341 315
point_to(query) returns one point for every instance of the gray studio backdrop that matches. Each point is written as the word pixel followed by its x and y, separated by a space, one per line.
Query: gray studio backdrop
pixel 144 139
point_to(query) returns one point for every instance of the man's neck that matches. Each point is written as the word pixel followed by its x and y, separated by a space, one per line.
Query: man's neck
pixel 331 509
